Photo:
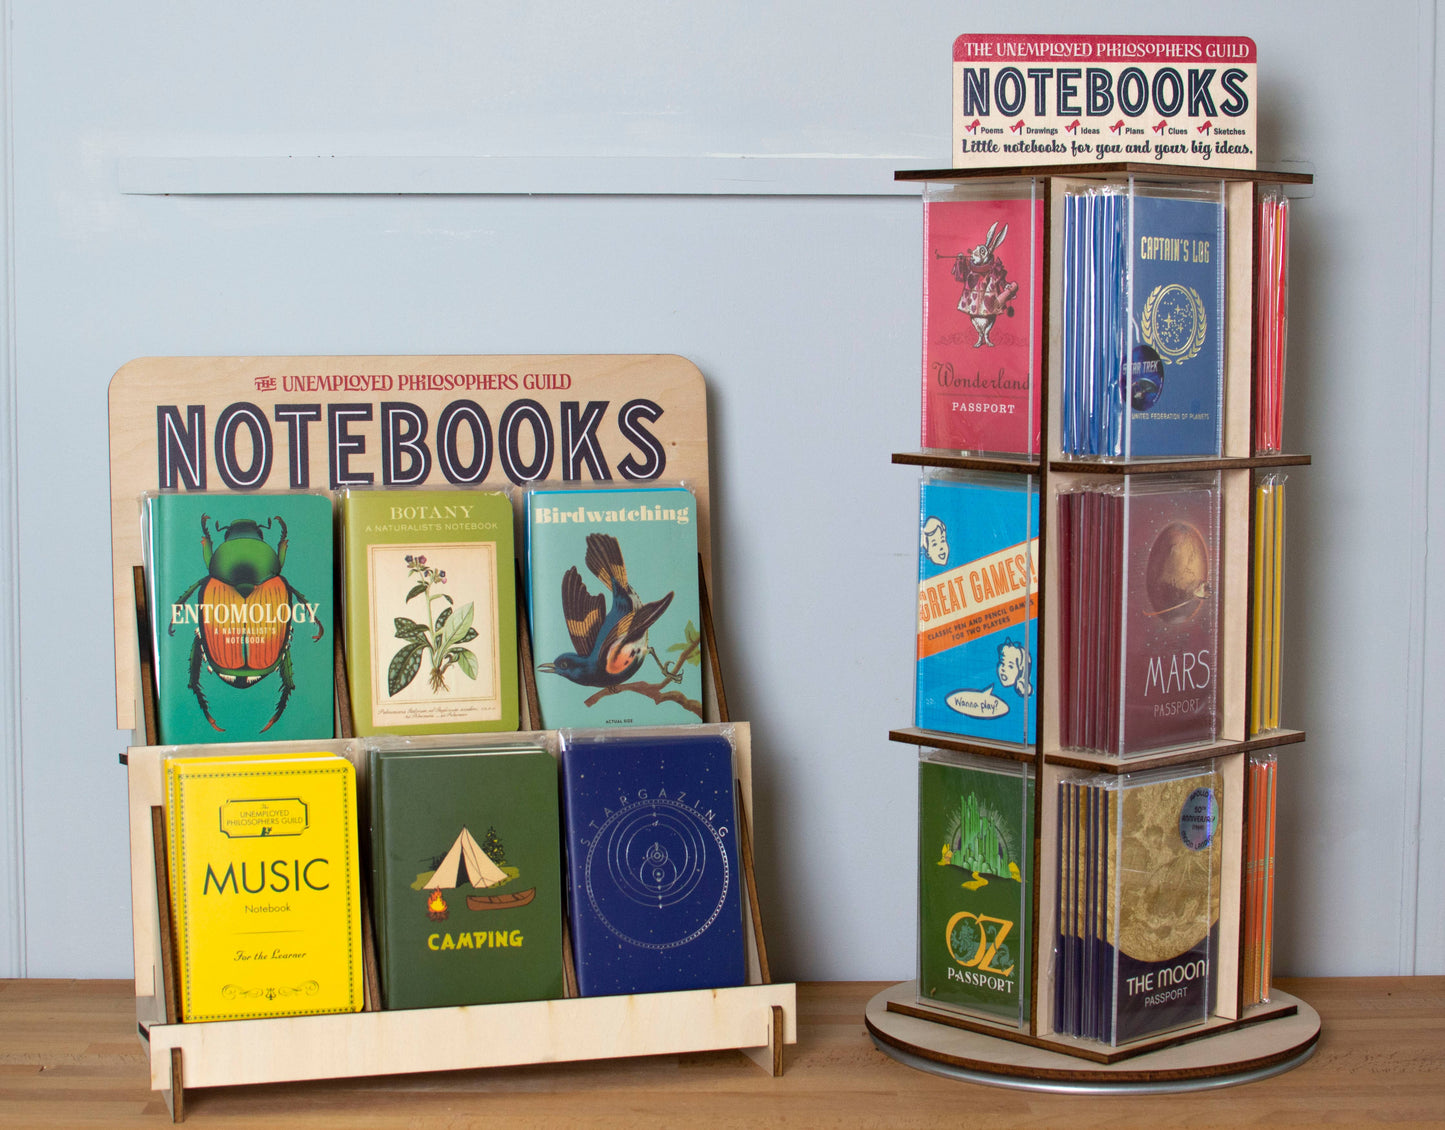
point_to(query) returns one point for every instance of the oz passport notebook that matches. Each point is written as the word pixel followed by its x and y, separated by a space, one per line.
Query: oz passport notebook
pixel 975 833
pixel 467 875
pixel 240 595
pixel 613 600
pixel 655 897
pixel 431 617
pixel 977 606
pixel 265 888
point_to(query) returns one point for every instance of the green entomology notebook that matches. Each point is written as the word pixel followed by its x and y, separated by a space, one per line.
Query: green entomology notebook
pixel 431 615
pixel 242 616
pixel 467 875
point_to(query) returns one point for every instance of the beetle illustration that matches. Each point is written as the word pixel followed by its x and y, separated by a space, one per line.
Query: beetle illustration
pixel 242 632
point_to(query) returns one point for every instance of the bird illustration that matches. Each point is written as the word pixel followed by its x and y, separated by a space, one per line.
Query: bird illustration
pixel 610 643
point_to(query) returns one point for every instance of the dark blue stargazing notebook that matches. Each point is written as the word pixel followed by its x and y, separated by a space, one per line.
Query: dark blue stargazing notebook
pixel 655 900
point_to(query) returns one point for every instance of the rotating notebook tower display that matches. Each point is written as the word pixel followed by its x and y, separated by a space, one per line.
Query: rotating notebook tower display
pixel 1098 630
pixel 330 423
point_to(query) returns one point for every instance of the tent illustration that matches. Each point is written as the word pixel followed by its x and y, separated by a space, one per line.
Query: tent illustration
pixel 465 862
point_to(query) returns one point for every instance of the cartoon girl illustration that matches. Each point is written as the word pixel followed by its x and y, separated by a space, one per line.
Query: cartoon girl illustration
pixel 1014 667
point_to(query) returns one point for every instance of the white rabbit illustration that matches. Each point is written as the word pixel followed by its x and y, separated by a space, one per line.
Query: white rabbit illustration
pixel 987 292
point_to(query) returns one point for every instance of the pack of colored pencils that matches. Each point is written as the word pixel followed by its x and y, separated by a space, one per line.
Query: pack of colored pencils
pixel 1267 618
pixel 1273 310
pixel 1259 839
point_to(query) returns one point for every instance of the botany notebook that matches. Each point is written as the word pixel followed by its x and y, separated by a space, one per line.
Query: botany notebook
pixel 655 901
pixel 239 588
pixel 613 599
pixel 975 845
pixel 431 640
pixel 467 870
pixel 265 892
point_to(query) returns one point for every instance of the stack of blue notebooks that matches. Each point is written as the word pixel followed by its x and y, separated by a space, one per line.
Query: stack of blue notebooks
pixel 1143 314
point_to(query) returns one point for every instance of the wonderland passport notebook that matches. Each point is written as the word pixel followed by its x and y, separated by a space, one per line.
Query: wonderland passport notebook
pixel 467 875
pixel 265 885
pixel 655 898
pixel 613 599
pixel 240 594
pixel 977 606
pixel 982 322
pixel 431 615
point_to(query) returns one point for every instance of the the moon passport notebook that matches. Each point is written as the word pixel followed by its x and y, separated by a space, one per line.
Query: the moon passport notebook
pixel 265 885
pixel 431 614
pixel 975 846
pixel 1139 865
pixel 982 320
pixel 613 600
pixel 978 606
pixel 655 891
pixel 466 875
pixel 242 616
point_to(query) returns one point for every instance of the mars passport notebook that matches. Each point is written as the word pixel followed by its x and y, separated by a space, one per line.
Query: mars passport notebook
pixel 613 599
pixel 431 614
pixel 975 845
pixel 655 894
pixel 265 888
pixel 467 875
pixel 977 606
pixel 242 616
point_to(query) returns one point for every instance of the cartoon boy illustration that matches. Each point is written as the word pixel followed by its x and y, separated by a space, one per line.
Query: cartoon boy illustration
pixel 934 540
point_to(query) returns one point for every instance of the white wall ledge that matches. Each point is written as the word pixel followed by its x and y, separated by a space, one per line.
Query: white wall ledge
pixel 806 175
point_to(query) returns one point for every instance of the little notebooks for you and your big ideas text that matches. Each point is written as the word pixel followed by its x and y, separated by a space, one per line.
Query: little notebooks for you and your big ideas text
pixel 467 875
pixel 655 891
pixel 240 596
pixel 431 618
pixel 265 886
pixel 614 609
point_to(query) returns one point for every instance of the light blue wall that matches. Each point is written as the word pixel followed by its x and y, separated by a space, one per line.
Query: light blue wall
pixel 802 312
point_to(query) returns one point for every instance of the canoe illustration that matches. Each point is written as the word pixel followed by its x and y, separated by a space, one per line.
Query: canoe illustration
pixel 501 902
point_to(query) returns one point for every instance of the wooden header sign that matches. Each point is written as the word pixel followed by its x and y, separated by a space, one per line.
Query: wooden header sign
pixel 1074 99
pixel 248 424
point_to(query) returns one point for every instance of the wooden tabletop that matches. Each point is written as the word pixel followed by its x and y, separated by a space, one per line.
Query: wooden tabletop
pixel 70 1056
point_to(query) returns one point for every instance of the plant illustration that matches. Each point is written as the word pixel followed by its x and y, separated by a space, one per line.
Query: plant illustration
pixel 440 639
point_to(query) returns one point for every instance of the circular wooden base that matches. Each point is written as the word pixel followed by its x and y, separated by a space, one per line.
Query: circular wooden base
pixel 1238 1055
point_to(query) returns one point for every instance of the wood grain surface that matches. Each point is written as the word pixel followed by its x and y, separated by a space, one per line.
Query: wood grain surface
pixel 70 1056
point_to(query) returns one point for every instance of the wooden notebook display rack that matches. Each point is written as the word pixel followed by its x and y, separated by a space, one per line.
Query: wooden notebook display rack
pixel 757 1018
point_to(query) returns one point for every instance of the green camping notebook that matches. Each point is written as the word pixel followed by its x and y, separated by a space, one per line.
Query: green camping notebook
pixel 467 875
pixel 239 588
pixel 431 615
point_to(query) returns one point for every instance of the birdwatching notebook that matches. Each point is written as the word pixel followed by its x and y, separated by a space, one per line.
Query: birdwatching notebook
pixel 467 875
pixel 654 900
pixel 265 892
pixel 431 641
pixel 613 598
pixel 975 859
pixel 239 589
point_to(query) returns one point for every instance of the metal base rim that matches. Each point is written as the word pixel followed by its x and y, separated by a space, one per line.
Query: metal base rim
pixel 1209 1060
pixel 1096 1087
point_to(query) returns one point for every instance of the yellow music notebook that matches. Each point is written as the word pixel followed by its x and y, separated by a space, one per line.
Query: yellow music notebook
pixel 265 889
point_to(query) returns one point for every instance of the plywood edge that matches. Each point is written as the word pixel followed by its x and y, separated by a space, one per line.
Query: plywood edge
pixel 349 1045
